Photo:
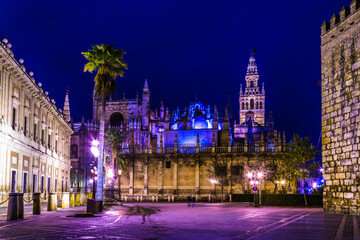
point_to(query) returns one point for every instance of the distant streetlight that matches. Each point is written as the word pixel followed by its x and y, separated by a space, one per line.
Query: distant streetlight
pixel 255 179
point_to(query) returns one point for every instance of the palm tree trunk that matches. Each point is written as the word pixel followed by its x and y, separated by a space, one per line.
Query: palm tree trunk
pixel 100 176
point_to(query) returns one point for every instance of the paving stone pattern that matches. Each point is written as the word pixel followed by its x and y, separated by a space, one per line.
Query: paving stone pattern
pixel 178 221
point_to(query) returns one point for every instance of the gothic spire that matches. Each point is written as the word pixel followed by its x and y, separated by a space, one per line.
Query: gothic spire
pixel 146 86
pixel 67 107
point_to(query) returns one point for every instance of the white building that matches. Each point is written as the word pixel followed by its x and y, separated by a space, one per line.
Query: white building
pixel 34 134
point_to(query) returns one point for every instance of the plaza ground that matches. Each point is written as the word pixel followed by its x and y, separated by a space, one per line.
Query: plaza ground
pixel 178 221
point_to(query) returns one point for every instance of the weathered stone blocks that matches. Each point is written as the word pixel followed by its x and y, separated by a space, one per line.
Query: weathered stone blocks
pixel 340 48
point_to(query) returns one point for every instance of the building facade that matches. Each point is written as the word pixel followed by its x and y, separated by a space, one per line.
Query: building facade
pixel 169 153
pixel 340 61
pixel 34 134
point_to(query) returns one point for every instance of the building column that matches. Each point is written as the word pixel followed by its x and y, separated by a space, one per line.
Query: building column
pixel 175 174
pixel 146 172
pixel 229 175
pixel 197 175
pixel 131 180
pixel 160 177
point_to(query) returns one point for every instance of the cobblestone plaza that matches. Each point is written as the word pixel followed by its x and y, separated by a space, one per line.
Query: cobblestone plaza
pixel 178 221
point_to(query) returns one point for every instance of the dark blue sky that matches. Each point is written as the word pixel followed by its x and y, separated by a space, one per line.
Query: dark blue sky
pixel 182 47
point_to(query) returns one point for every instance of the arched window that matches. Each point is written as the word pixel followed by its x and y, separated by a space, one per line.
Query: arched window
pixel 242 106
pixel 74 151
pixel 116 119
pixel 257 105
pixel 251 103
pixel 260 105
pixel 251 84
pixel 247 105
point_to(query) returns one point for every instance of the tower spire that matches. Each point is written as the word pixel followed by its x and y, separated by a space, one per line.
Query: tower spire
pixel 146 86
pixel 67 107
pixel 252 100
pixel 252 68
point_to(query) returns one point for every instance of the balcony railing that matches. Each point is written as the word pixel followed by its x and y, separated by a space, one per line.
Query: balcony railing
pixel 192 149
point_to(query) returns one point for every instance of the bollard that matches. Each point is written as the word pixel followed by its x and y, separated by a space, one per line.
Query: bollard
pixel 15 207
pixel 72 199
pixel 77 199
pixel 65 202
pixel 196 197
pixel 125 198
pixel 137 198
pixel 36 203
pixel 52 202
pixel 141 198
pixel 152 198
pixel 20 209
pixel 209 198
pixel 172 198
pixel 94 206
pixel 230 198
pixel 157 198
pixel 168 198
pixel 82 199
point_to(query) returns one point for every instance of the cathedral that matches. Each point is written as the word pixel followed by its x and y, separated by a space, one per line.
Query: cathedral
pixel 167 151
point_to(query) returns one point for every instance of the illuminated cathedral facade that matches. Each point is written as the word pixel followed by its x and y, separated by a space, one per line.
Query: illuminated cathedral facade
pixel 165 149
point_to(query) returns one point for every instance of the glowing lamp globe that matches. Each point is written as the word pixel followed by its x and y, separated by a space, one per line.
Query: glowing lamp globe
pixel 95 143
pixel 260 174
pixel 95 151
pixel 110 173
pixel 250 175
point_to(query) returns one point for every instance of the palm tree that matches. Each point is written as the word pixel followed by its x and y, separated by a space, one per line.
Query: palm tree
pixel 108 64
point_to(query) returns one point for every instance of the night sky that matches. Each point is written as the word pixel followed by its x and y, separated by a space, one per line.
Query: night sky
pixel 182 47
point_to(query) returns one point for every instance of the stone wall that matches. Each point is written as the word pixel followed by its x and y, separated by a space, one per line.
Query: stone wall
pixel 340 47
pixel 185 174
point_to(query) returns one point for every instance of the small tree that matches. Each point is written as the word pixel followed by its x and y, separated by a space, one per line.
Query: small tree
pixel 113 139
pixel 299 161
pixel 277 170
pixel 217 169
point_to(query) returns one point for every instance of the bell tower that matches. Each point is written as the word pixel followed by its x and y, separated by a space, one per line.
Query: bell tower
pixel 252 100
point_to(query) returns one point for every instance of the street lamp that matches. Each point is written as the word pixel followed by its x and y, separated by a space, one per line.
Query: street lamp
pixel 255 179
pixel 95 151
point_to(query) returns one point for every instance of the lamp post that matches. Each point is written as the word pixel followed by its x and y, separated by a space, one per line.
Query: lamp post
pixel 95 151
pixel 255 179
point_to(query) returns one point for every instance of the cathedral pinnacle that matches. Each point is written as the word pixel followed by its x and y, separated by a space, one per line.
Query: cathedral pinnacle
pixel 146 86
pixel 67 107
